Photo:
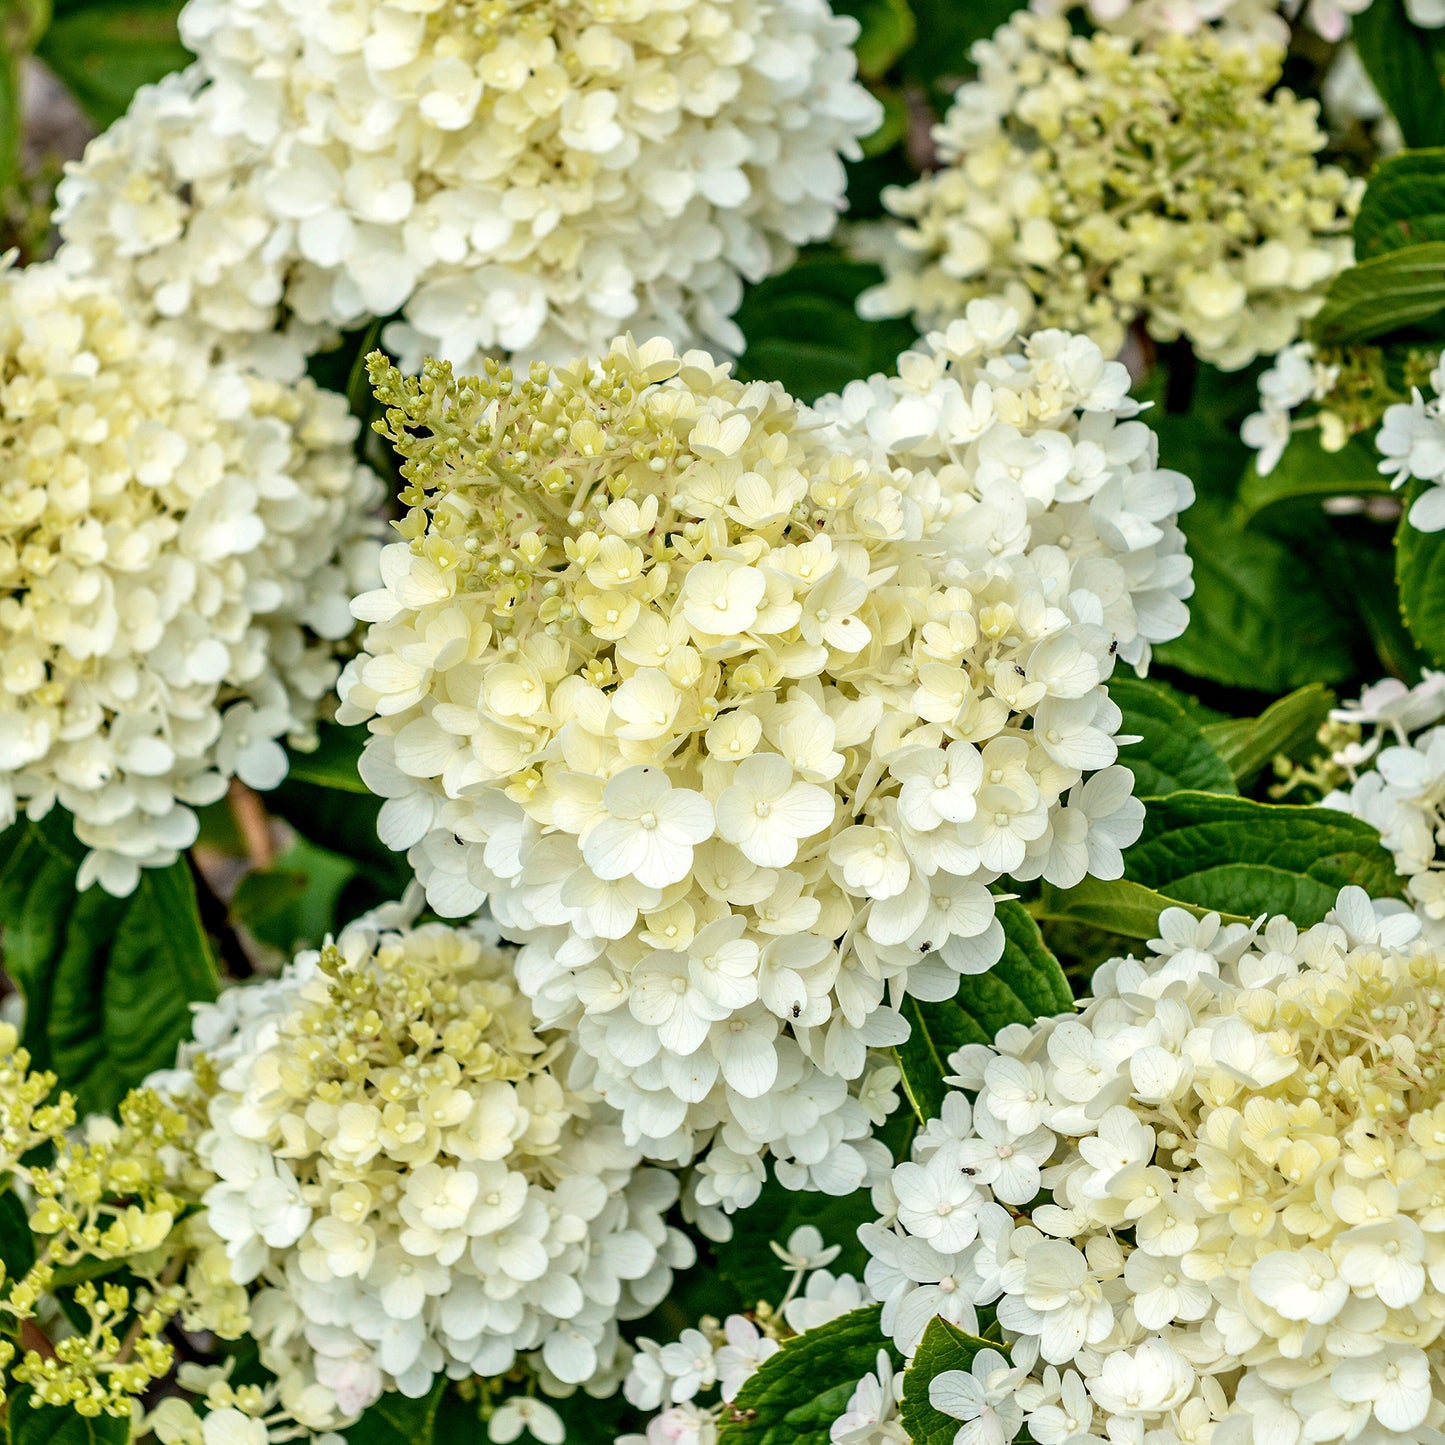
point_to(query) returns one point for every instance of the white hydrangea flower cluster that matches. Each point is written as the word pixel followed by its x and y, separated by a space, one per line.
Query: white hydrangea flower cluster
pixel 1252 20
pixel 724 1355
pixel 1093 182
pixel 1241 1144
pixel 178 547
pixel 1249 19
pixel 699 699
pixel 408 1182
pixel 1398 786
pixel 1036 441
pixel 518 178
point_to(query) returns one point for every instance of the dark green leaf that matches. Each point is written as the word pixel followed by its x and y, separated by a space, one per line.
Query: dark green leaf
pixel 1174 752
pixel 803 330
pixel 886 30
pixel 1025 984
pixel 1307 470
pixel 1248 745
pixel 1420 574
pixel 108 982
pixel 105 50
pixel 943 1347
pixel 1398 289
pixel 332 764
pixel 1237 856
pixel 1376 596
pixel 1405 63
pixel 29 1424
pixel 324 800
pixel 396 1420
pixel 17 1244
pixel 1403 204
pixel 1262 616
pixel 1200 436
pixel 748 1263
pixel 949 28
pixel 798 1393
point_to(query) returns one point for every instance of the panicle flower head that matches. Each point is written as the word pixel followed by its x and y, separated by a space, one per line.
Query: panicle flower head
pixel 95 1195
pixel 1214 1197
pixel 516 175
pixel 696 695
pixel 1095 181
pixel 178 543
pixel 404 1178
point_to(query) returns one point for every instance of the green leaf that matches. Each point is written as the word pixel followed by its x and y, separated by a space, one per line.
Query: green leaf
pixel 894 128
pixel 887 29
pixel 396 1420
pixel 1202 440
pixel 1403 204
pixel 27 1423
pixel 749 1264
pixel 1308 471
pixel 332 763
pixel 1262 616
pixel 803 330
pixel 323 798
pixel 798 1393
pixel 1420 575
pixel 1405 63
pixel 292 905
pixel 105 50
pixel 22 23
pixel 1174 752
pixel 108 982
pixel 943 1347
pixel 1249 745
pixel 1400 288
pixel 1237 856
pixel 1115 906
pixel 17 1243
pixel 1025 984
pixel 1377 598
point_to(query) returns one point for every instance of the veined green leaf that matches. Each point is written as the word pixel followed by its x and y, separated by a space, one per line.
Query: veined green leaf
pixel 798 1393
pixel 1026 983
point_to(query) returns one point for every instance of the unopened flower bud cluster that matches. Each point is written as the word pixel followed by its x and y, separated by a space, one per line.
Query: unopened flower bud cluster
pixel 523 178
pixel 103 1195
pixel 1093 182
pixel 406 1180
pixel 1036 441
pixel 695 694
pixel 178 544
pixel 1241 1147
